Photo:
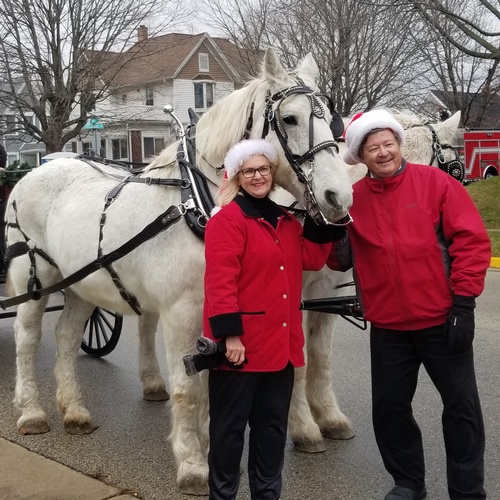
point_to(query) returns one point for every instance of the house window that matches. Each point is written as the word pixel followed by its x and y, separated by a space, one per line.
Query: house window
pixel 33 119
pixel 203 62
pixel 12 158
pixel 11 123
pixel 153 146
pixel 120 149
pixel 87 148
pixel 102 149
pixel 150 97
pixel 71 147
pixel 31 159
pixel 203 95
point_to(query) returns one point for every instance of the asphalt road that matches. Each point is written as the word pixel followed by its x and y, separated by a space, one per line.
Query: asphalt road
pixel 129 450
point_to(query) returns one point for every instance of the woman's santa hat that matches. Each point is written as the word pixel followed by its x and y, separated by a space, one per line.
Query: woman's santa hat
pixel 244 150
pixel 364 123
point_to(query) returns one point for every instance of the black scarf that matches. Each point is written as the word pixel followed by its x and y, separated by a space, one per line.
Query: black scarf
pixel 265 207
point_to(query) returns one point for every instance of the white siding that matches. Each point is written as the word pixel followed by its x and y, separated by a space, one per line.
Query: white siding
pixel 126 106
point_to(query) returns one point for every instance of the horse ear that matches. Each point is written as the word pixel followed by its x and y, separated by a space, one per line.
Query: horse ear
pixel 309 66
pixel 273 70
pixel 446 130
pixel 454 120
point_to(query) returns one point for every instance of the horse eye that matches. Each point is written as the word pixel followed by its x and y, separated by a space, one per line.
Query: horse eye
pixel 290 120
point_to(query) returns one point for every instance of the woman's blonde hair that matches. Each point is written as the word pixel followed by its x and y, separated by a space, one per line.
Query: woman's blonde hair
pixel 229 189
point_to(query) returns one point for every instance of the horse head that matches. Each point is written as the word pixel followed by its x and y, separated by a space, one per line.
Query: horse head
pixel 422 137
pixel 287 109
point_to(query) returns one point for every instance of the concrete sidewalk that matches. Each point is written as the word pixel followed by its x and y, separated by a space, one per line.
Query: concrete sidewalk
pixel 24 475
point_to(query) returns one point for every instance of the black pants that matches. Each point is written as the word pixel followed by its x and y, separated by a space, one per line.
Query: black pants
pixel 396 357
pixel 262 400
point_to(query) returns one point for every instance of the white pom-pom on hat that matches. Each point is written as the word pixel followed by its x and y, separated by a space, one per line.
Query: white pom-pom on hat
pixel 244 150
pixel 364 123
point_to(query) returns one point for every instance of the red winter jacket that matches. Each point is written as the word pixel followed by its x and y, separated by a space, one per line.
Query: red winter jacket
pixel 253 284
pixel 417 239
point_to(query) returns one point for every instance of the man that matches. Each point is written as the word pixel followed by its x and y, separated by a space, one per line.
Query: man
pixel 420 254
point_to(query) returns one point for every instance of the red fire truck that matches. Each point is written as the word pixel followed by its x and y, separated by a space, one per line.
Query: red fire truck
pixel 481 154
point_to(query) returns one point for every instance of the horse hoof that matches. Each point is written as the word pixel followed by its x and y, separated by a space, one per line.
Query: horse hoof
pixel 307 446
pixel 34 427
pixel 344 432
pixel 194 486
pixel 79 428
pixel 161 395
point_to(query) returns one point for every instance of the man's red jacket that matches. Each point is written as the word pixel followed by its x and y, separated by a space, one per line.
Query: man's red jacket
pixel 417 239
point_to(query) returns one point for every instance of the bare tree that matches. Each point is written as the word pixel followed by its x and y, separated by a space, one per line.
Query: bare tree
pixel 362 64
pixel 476 19
pixel 243 22
pixel 460 81
pixel 54 53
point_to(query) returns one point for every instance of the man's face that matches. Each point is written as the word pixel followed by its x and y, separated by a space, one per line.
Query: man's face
pixel 382 154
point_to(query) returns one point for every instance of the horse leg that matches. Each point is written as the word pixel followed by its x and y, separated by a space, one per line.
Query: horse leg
pixel 28 332
pixel 69 334
pixel 192 467
pixel 320 395
pixel 203 414
pixel 153 385
pixel 304 431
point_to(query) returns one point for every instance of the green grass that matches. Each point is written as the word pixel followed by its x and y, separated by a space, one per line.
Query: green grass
pixel 486 196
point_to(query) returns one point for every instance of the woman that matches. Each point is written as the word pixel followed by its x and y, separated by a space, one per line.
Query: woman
pixel 255 253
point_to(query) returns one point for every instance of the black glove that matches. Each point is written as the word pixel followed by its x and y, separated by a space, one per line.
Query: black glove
pixel 460 324
pixel 211 355
pixel 322 233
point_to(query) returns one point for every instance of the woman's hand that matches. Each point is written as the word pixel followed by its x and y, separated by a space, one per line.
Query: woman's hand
pixel 235 350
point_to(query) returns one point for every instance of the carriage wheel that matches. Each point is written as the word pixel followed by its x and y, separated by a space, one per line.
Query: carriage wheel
pixel 102 332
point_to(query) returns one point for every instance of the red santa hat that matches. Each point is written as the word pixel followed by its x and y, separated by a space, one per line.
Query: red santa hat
pixel 244 150
pixel 364 123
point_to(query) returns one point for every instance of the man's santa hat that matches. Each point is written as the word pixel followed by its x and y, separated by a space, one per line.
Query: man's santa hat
pixel 244 150
pixel 364 123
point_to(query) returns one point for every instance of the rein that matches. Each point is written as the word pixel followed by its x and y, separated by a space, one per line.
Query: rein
pixel 196 200
pixel 162 222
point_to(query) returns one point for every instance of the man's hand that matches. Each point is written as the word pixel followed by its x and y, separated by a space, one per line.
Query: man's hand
pixel 460 324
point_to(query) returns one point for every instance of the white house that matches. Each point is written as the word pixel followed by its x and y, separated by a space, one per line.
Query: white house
pixel 185 71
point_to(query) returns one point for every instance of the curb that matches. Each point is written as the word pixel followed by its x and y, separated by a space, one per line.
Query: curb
pixel 495 262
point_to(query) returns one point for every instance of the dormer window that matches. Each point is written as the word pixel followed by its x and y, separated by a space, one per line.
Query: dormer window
pixel 203 62
pixel 150 96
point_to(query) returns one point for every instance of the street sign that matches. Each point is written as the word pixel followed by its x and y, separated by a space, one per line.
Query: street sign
pixel 93 124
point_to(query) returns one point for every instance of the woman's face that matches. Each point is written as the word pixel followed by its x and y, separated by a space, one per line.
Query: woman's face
pixel 252 181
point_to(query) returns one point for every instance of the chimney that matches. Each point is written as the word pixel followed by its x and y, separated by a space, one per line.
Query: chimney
pixel 142 33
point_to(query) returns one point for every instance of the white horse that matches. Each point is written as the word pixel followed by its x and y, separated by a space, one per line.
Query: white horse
pixel 58 209
pixel 314 412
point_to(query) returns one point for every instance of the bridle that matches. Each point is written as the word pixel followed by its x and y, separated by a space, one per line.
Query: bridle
pixel 274 121
pixel 454 167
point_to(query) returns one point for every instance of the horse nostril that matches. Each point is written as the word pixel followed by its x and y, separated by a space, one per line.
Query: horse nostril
pixel 332 198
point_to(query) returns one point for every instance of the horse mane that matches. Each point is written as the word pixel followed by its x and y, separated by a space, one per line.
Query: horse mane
pixel 223 125
pixel 445 130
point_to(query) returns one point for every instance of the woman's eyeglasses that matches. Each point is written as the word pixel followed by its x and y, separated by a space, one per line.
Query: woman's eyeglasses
pixel 249 173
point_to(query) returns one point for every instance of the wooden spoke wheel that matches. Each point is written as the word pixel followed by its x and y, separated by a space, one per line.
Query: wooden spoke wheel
pixel 102 332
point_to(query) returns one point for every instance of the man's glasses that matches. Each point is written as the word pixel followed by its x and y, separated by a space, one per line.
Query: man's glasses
pixel 249 173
